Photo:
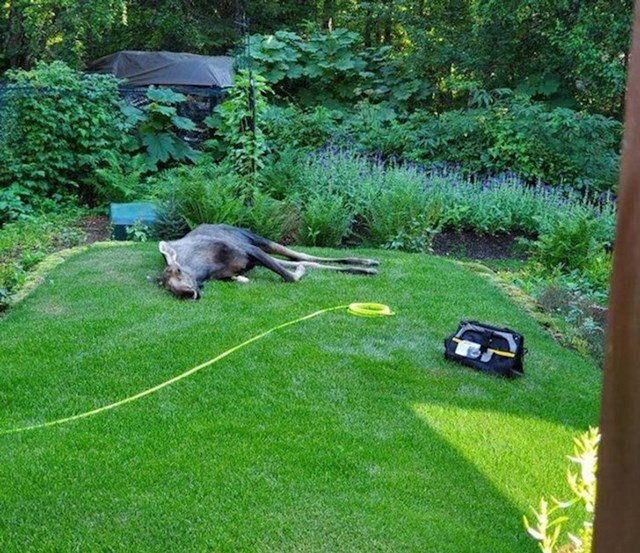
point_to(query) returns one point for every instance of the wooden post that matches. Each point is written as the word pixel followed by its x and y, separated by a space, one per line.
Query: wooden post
pixel 617 517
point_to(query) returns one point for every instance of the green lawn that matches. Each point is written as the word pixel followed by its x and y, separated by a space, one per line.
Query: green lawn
pixel 339 433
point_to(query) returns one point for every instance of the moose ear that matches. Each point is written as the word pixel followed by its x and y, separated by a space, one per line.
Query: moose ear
pixel 169 253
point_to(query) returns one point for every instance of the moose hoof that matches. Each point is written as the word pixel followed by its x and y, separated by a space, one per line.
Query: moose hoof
pixel 299 273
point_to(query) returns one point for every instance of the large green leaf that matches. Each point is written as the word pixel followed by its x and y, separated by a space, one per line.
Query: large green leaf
pixel 183 123
pixel 160 146
pixel 165 95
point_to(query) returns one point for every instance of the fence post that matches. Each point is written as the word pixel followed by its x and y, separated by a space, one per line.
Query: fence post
pixel 617 516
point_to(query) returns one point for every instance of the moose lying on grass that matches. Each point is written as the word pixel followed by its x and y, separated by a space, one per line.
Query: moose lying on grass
pixel 223 252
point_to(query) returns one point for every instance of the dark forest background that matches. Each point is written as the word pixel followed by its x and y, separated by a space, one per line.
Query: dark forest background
pixel 439 54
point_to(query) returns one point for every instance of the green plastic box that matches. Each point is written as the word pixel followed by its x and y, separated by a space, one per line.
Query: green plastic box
pixel 127 215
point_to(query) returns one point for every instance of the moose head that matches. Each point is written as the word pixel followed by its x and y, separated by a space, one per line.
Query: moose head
pixel 174 278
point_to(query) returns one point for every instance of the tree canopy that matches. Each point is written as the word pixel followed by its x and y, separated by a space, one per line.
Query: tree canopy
pixel 569 53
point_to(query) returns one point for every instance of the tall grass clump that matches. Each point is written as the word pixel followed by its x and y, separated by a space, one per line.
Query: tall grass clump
pixel 326 219
pixel 402 215
pixel 205 194
pixel 214 193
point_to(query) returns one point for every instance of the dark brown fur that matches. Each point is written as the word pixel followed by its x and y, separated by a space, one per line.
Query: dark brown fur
pixel 223 252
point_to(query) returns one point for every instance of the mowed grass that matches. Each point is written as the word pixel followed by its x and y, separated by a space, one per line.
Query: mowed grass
pixel 339 433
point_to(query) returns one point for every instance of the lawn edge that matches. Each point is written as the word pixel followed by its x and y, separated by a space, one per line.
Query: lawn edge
pixel 38 275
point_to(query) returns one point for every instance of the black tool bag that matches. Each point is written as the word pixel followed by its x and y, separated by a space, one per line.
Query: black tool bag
pixel 487 348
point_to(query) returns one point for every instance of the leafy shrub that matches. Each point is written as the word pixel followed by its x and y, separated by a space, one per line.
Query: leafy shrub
pixel 238 124
pixel 549 524
pixel 169 223
pixel 269 217
pixel 581 309
pixel 330 67
pixel 206 193
pixel 288 127
pixel 12 206
pixel 280 177
pixel 402 215
pixel 327 63
pixel 212 193
pixel 121 179
pixel 568 241
pixel 156 123
pixel 58 128
pixel 326 219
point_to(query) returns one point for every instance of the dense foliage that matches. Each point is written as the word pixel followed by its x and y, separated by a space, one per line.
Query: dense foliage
pixel 566 53
pixel 515 134
pixel 58 128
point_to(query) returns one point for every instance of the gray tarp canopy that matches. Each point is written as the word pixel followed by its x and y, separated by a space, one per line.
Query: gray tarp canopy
pixel 166 68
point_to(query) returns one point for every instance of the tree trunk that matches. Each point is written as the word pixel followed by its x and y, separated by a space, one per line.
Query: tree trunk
pixel 14 43
pixel 327 14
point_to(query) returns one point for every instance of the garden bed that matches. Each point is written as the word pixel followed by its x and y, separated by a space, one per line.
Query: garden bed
pixel 469 245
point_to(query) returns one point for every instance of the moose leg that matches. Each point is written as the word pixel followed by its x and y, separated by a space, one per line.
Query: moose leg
pixel 261 258
pixel 273 248
pixel 279 249
pixel 343 269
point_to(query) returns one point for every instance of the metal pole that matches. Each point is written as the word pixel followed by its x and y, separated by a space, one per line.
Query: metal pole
pixel 617 516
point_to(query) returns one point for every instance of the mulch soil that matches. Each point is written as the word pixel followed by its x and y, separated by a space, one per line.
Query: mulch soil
pixel 472 246
pixel 96 229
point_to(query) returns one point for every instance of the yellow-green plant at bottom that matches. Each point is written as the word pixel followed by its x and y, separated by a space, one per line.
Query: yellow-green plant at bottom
pixel 549 521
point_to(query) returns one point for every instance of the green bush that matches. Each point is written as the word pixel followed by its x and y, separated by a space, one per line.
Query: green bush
pixel 212 193
pixel 568 241
pixel 155 142
pixel 269 217
pixel 554 146
pixel 557 146
pixel 205 193
pixel 288 127
pixel 582 317
pixel 325 65
pixel 237 123
pixel 169 223
pixel 59 127
pixel 279 177
pixel 326 220
pixel 401 215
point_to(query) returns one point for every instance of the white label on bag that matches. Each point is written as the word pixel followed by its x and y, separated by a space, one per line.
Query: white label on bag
pixel 465 348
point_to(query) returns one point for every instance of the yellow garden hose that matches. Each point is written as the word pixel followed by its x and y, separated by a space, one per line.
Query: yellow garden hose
pixel 370 309
pixel 361 309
